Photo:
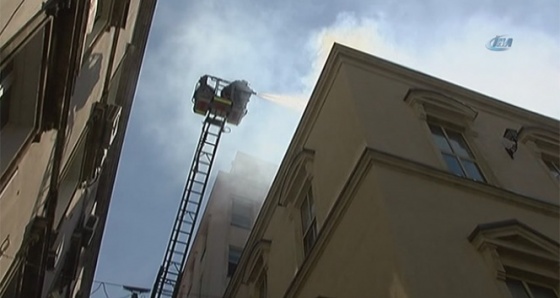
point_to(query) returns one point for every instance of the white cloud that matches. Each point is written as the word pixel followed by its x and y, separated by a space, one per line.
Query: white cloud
pixel 528 75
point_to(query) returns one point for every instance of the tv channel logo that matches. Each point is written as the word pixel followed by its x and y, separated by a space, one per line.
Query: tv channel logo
pixel 499 43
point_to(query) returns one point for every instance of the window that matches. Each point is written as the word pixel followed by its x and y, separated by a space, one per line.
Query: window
pixel 309 222
pixel 95 19
pixel 6 77
pixel 262 287
pixel 241 214
pixel 523 260
pixel 544 143
pixel 233 259
pixel 522 289
pixel 70 180
pixel 22 78
pixel 554 168
pixel 456 153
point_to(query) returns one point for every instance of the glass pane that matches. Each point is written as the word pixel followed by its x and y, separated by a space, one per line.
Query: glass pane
pixel 542 292
pixel 517 289
pixel 554 169
pixel 472 169
pixel 453 165
pixel 440 139
pixel 458 143
pixel 234 254
pixel 305 219
pixel 309 238
pixel 312 205
pixel 241 215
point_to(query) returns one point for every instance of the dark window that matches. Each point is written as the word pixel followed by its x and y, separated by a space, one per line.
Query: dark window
pixel 456 153
pixel 241 214
pixel 6 77
pixel 522 289
pixel 309 222
pixel 233 259
pixel 554 168
pixel 262 287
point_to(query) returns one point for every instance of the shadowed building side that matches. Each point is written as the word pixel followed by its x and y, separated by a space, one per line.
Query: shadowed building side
pixel 68 73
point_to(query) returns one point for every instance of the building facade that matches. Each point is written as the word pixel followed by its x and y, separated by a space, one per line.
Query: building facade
pixel 233 205
pixel 68 74
pixel 398 184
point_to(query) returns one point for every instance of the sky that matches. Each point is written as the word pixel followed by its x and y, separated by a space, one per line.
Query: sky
pixel 280 48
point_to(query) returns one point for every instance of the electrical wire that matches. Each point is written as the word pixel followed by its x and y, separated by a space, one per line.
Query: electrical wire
pixel 97 289
pixel 12 16
pixel 105 290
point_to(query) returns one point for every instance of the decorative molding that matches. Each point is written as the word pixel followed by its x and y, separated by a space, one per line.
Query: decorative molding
pixel 541 140
pixel 433 104
pixel 511 247
pixel 299 172
pixel 257 261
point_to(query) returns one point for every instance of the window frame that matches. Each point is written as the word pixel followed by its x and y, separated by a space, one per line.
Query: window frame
pixel 6 83
pixel 262 286
pixel 26 132
pixel 234 217
pixel 555 164
pixel 472 157
pixel 100 23
pixel 525 282
pixel 544 144
pixel 312 221
pixel 229 272
pixel 74 166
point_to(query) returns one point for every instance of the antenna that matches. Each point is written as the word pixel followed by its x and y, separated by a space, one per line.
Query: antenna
pixel 134 291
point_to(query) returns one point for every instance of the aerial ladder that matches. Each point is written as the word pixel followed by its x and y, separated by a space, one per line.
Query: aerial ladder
pixel 220 102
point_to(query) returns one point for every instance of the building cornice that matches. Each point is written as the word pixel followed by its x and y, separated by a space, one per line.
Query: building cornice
pixel 437 175
pixel 372 158
pixel 414 78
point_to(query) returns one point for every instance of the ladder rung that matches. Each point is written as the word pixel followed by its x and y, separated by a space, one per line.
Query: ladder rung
pixel 182 232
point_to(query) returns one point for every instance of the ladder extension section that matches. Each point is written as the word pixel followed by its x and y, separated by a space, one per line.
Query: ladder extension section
pixel 169 275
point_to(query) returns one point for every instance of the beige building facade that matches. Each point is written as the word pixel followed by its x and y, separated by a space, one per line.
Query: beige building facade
pixel 68 74
pixel 398 184
pixel 232 208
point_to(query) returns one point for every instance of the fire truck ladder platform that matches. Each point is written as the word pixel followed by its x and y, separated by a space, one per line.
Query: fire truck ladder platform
pixel 169 276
